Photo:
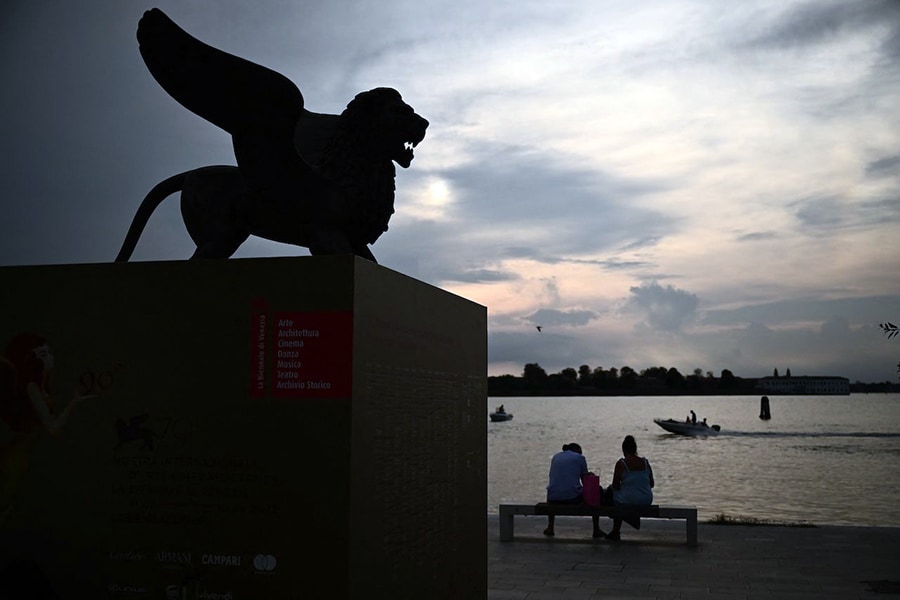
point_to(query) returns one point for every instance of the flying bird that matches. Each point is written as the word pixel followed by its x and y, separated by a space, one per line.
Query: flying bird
pixel 538 327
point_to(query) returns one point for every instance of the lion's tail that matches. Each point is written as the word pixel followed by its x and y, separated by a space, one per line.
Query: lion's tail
pixel 154 198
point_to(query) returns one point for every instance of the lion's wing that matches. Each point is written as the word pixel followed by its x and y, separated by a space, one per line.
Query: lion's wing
pixel 228 91
pixel 312 134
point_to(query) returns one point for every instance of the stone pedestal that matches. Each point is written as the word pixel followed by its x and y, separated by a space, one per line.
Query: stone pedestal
pixel 265 428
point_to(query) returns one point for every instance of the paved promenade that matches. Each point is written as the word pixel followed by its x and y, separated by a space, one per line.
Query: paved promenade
pixel 750 563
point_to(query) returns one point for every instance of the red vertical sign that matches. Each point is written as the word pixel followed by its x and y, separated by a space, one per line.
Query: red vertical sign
pixel 312 354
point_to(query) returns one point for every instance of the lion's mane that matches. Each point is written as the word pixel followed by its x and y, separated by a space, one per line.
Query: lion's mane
pixel 357 161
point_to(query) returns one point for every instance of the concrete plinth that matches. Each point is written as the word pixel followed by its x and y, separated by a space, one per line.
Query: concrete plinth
pixel 264 428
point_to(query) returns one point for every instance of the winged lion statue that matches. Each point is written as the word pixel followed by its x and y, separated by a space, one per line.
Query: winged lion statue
pixel 322 181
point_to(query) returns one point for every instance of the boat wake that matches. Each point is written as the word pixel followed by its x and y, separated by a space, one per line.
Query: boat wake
pixel 810 434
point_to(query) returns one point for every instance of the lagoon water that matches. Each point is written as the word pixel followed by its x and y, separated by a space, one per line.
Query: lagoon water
pixel 820 459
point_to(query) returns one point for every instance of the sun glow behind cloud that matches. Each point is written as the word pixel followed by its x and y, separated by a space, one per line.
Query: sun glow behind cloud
pixel 430 201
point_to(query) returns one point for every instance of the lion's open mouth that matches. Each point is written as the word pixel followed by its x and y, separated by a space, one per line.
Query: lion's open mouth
pixel 405 154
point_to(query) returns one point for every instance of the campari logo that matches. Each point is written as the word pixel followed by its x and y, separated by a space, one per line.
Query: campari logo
pixel 221 560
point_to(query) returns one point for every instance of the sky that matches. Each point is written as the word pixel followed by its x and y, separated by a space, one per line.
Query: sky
pixel 691 184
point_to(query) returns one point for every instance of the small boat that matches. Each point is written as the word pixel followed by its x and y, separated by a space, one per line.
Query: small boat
pixel 501 416
pixel 692 429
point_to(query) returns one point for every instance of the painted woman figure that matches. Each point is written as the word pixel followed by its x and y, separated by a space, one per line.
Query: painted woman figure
pixel 26 408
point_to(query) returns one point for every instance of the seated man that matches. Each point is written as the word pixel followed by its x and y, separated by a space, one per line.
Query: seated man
pixel 566 469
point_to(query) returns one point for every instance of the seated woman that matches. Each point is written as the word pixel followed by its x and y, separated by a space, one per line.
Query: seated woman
pixel 632 484
pixel 566 470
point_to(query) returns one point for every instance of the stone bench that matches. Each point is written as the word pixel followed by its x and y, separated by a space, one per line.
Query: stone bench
pixel 509 511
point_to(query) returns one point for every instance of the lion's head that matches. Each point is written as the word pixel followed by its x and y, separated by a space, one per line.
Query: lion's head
pixel 375 130
pixel 384 125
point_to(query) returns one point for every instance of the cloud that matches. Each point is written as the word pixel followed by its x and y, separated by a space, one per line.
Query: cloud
pixel 664 308
pixel 831 348
pixel 859 311
pixel 477 276
pixel 820 21
pixel 548 317
pixel 757 236
pixel 835 329
pixel 887 166
pixel 820 213
pixel 551 350
pixel 829 214
pixel 507 203
pixel 507 184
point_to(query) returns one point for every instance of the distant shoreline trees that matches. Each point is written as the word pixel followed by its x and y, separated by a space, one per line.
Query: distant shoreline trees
pixel 625 381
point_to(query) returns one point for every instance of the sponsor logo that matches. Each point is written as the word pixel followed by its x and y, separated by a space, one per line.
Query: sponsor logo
pixel 207 595
pixel 221 560
pixel 134 430
pixel 125 556
pixel 128 589
pixel 178 592
pixel 174 558
pixel 264 562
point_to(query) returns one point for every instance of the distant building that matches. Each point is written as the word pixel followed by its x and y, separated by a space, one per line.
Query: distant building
pixel 804 385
